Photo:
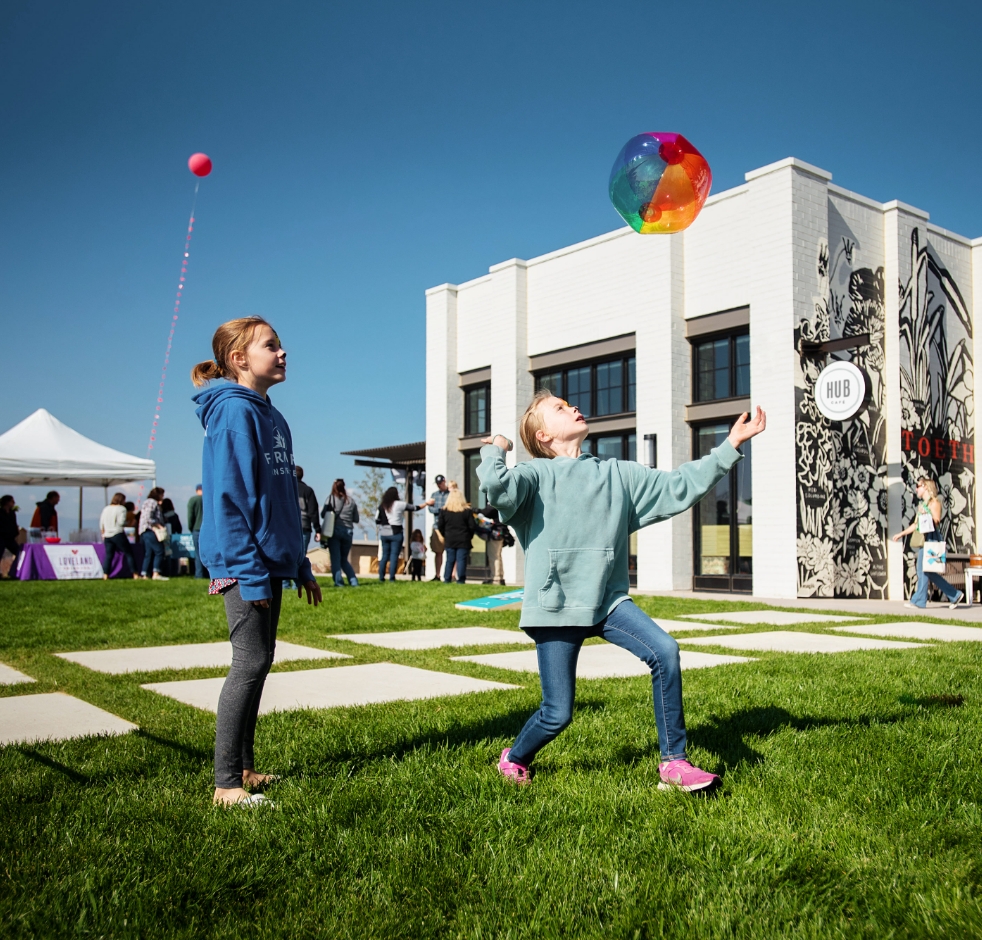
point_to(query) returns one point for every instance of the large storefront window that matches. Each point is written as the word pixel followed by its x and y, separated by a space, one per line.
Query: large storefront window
pixel 597 389
pixel 612 446
pixel 723 521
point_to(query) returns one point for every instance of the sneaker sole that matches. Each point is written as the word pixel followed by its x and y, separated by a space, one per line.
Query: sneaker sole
pixel 691 788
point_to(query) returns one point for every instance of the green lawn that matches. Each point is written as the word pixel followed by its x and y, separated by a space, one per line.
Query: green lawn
pixel 851 804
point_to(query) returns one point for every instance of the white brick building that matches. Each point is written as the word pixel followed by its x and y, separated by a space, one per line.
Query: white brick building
pixel 653 335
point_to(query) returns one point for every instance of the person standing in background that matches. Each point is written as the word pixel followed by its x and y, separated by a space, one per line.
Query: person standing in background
pixel 9 529
pixel 457 526
pixel 111 524
pixel 494 545
pixel 195 518
pixel 46 516
pixel 152 519
pixel 439 500
pixel 391 515
pixel 345 511
pixel 309 518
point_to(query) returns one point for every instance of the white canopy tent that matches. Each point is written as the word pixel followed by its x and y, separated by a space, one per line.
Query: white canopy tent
pixel 43 450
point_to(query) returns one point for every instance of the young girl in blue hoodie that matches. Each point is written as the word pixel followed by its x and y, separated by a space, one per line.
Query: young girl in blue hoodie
pixel 573 514
pixel 250 535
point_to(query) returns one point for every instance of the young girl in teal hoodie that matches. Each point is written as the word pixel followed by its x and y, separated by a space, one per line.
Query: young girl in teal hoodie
pixel 573 514
pixel 251 538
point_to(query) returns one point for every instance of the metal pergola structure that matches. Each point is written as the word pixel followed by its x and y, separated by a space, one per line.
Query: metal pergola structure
pixel 405 457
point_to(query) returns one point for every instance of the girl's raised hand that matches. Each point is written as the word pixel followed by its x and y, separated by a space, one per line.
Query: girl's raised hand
pixel 746 427
pixel 506 444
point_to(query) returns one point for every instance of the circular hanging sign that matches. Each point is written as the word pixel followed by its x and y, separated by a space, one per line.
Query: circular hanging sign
pixel 840 390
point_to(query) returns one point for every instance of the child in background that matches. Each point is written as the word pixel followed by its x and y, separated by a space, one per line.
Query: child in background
pixel 573 514
pixel 417 552
pixel 251 540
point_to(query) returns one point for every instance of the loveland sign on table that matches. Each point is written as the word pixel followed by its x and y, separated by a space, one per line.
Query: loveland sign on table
pixel 659 183
pixel 74 562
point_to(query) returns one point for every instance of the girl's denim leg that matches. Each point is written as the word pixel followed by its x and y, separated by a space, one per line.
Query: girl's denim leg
pixel 448 565
pixel 557 649
pixel 461 565
pixel 919 597
pixel 630 628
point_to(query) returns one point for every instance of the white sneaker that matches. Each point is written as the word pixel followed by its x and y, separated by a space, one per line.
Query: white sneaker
pixel 157 576
pixel 953 604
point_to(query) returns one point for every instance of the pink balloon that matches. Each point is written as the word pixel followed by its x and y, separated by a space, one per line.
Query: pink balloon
pixel 199 164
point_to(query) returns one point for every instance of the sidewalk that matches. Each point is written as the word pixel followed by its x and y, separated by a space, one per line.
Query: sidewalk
pixel 830 605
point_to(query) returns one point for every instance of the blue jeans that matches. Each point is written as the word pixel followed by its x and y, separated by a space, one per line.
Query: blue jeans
pixel 557 649
pixel 391 546
pixel 199 565
pixel 919 597
pixel 339 544
pixel 118 543
pixel 153 552
pixel 458 557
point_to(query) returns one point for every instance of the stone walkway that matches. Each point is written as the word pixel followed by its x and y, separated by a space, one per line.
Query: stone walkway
pixel 344 686
pixel 912 630
pixel 186 656
pixel 788 641
pixel 9 676
pixel 54 716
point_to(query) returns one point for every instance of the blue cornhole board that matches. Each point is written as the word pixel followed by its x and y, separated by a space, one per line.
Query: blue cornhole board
pixel 511 600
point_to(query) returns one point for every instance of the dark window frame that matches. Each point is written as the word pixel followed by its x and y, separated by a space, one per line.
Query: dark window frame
pixel 470 431
pixel 628 364
pixel 734 582
pixel 731 336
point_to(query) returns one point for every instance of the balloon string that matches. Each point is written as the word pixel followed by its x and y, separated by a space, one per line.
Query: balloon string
pixel 186 256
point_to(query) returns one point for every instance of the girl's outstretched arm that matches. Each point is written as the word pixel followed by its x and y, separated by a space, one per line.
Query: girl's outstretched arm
pixel 660 494
pixel 507 489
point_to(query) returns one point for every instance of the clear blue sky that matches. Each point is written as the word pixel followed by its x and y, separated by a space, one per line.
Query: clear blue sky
pixel 365 152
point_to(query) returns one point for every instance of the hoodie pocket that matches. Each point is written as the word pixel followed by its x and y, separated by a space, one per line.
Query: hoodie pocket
pixel 577 578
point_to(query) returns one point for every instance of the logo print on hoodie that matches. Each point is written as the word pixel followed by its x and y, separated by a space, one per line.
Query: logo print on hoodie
pixel 280 457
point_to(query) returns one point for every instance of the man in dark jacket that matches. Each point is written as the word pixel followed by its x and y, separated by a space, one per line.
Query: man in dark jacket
pixel 46 516
pixel 309 510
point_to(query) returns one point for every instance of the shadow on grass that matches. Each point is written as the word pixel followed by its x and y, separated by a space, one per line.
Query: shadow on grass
pixel 52 764
pixel 504 725
pixel 726 737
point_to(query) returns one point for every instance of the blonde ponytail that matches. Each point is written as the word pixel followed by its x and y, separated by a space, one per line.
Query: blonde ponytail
pixel 205 372
pixel 230 337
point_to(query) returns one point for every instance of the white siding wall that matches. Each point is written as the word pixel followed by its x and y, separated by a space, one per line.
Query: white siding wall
pixel 719 260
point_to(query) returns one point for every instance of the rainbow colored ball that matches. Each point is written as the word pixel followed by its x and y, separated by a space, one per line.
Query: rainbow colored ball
pixel 659 183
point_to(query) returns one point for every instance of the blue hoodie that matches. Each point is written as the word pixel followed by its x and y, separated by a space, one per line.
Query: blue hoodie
pixel 251 528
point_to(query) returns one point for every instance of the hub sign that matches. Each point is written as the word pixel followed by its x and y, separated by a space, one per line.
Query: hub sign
pixel 840 390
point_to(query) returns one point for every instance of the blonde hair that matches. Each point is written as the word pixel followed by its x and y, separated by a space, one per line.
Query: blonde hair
pixel 231 337
pixel 532 422
pixel 455 501
pixel 930 486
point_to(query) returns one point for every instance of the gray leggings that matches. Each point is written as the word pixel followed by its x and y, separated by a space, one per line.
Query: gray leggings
pixel 252 631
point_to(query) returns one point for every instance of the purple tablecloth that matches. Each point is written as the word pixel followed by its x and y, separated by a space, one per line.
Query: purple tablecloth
pixel 33 563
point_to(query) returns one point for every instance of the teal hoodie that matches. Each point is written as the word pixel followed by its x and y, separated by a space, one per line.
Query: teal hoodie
pixel 573 518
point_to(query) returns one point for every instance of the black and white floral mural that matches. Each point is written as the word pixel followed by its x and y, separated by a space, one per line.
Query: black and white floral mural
pixel 937 397
pixel 841 471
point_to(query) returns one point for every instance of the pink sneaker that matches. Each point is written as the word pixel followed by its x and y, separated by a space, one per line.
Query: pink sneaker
pixel 681 775
pixel 518 773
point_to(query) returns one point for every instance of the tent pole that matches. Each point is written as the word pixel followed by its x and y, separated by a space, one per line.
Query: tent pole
pixel 80 508
pixel 105 495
